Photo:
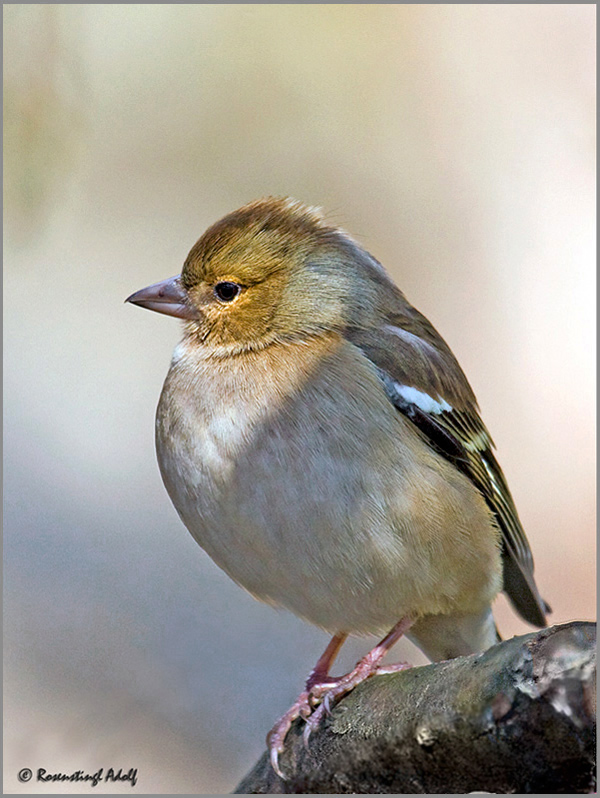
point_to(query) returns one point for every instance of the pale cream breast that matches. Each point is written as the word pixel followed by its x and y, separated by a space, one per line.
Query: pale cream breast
pixel 297 475
pixel 210 406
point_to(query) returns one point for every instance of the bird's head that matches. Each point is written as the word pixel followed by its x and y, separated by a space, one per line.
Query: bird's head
pixel 273 270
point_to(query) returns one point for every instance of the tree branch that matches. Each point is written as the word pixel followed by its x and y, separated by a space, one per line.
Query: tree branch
pixel 519 718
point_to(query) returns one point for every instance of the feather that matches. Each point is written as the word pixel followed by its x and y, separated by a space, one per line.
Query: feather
pixel 423 379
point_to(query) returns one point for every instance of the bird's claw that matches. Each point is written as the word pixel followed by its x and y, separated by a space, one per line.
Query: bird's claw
pixel 312 707
pixel 313 723
pixel 316 703
pixel 274 757
pixel 306 733
pixel 305 707
pixel 276 737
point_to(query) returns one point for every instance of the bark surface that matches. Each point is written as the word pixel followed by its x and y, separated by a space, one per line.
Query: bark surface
pixel 519 718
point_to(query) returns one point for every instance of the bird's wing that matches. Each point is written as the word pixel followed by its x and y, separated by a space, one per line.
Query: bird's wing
pixel 425 382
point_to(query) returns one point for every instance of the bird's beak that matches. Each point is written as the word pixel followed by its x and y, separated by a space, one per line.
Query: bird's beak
pixel 168 297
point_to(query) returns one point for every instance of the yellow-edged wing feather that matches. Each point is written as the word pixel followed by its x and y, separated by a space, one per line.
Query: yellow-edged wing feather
pixel 409 353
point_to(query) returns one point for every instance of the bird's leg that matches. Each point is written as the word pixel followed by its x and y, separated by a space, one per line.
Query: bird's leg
pixel 369 665
pixel 318 675
pixel 321 690
pixel 316 686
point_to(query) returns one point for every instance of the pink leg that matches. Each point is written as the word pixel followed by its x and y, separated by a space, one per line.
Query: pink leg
pixel 318 675
pixel 321 692
pixel 316 684
pixel 369 665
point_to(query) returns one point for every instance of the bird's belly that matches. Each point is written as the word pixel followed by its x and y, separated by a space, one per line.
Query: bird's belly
pixel 286 531
pixel 309 507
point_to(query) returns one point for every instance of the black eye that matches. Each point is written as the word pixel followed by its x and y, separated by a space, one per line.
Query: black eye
pixel 227 292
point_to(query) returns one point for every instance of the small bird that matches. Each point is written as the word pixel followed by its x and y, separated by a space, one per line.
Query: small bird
pixel 320 441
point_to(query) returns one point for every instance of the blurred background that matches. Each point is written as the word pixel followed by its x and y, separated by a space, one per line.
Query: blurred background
pixel 456 142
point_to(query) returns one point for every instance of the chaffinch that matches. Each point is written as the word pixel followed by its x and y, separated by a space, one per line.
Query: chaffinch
pixel 320 441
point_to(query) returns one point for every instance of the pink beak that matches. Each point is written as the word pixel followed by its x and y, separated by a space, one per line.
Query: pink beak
pixel 168 297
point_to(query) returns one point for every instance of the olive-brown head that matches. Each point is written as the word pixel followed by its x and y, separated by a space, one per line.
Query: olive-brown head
pixel 273 270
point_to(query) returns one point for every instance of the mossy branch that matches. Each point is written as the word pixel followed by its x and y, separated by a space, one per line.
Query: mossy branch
pixel 519 718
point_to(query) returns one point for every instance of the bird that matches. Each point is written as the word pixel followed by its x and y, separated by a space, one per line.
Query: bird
pixel 321 443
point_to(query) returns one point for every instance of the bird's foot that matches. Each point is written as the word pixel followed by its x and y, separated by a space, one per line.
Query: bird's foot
pixel 364 669
pixel 302 708
pixel 315 704
pixel 322 691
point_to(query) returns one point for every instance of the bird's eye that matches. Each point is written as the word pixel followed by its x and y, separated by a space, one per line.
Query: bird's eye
pixel 227 292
